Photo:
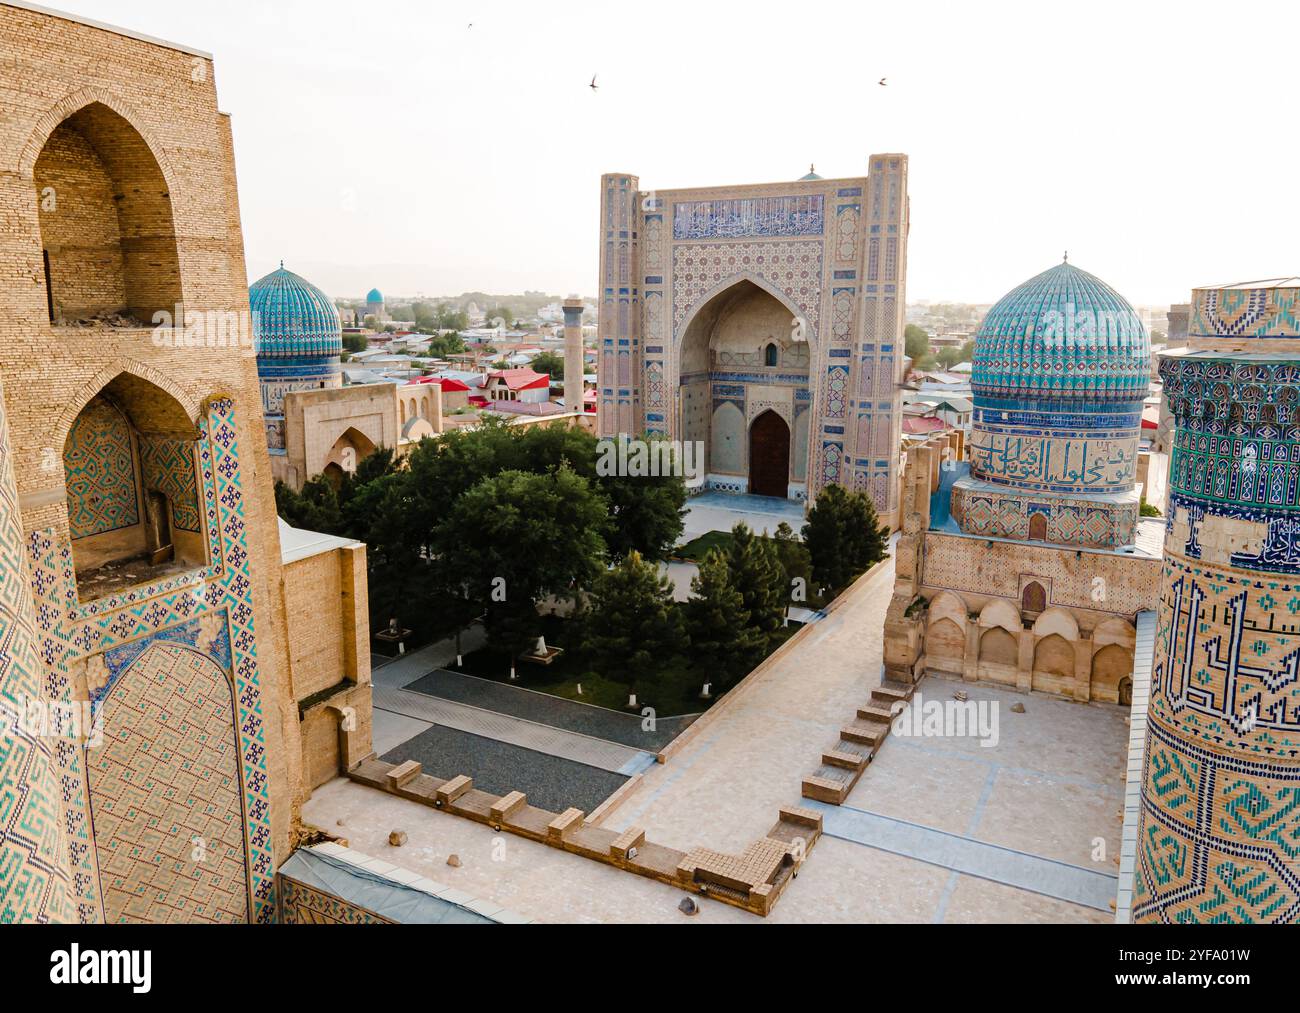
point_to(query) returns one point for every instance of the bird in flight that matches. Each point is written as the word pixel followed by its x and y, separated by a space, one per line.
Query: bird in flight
pixel 593 86
pixel 882 83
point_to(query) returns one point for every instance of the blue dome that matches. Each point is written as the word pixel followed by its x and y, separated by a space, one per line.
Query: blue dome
pixel 1062 336
pixel 292 318
pixel 375 296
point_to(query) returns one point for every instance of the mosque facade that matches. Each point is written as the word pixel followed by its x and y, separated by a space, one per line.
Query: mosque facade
pixel 763 323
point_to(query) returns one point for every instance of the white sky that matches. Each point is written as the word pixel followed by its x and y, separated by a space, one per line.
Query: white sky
pixel 382 142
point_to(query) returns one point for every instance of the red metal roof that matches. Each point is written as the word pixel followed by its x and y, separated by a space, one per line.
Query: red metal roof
pixel 925 424
pixel 520 379
pixel 447 383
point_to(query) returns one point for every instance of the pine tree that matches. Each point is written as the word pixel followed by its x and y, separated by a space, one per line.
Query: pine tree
pixel 723 644
pixel 634 623
pixel 756 573
pixel 844 537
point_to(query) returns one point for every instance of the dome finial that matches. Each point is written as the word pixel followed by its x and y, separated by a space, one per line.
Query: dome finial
pixel 281 265
pixel 1066 259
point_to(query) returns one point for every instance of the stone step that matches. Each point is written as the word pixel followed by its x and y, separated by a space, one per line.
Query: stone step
pixel 892 692
pixel 876 712
pixel 848 761
pixel 870 733
pixel 822 789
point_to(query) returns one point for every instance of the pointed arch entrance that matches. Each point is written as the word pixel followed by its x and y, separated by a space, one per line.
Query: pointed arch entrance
pixel 739 349
pixel 769 456
pixel 108 238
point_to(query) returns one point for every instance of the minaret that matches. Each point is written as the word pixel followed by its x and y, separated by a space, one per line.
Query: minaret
pixel 573 363
pixel 1219 820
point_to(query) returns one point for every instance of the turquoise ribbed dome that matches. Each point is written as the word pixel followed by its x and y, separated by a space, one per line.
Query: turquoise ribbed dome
pixel 292 318
pixel 375 296
pixel 1062 336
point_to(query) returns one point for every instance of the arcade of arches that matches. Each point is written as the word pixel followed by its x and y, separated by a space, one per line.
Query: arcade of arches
pixel 1046 651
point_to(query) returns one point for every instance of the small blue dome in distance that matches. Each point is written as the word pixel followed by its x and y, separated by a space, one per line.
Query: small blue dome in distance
pixel 292 318
pixel 375 296
pixel 812 175
pixel 1063 335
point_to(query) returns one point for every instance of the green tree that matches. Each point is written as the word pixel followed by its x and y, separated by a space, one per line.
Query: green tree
pixel 447 317
pixel 796 562
pixel 756 573
pixel 355 343
pixel 844 537
pixel 443 345
pixel 516 538
pixel 634 624
pixel 550 363
pixel 723 644
pixel 314 508
pixel 917 343
pixel 500 313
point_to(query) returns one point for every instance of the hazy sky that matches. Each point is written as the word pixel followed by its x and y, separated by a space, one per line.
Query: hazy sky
pixel 387 143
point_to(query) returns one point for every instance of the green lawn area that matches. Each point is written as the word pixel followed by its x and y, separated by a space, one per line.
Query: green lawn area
pixel 673 690
pixel 696 549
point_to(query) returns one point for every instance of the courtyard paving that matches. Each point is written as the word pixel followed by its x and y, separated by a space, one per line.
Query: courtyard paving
pixel 939 829
pixel 717 511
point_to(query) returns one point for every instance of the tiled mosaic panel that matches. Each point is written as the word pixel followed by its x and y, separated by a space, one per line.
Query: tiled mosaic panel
pixel 100 471
pixel 165 795
pixel 1092 524
pixel 793 269
pixel 168 466
pixel 305 905
pixel 1245 313
pixel 1054 460
pixel 761 217
pixel 1228 659
pixel 34 880
pixel 70 631
pixel 1219 838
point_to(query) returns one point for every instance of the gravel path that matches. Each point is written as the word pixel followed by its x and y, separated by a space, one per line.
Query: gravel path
pixel 498 767
pixel 551 710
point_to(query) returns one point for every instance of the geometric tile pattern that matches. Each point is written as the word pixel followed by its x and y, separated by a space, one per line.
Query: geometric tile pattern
pixel 1063 334
pixel 1219 827
pixel 1069 521
pixel 221 591
pixel 793 269
pixel 168 466
pixel 304 905
pixel 100 472
pixel 1268 313
pixel 34 882
pixel 165 796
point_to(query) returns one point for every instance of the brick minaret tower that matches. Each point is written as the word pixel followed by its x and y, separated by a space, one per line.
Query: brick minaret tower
pixel 573 364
